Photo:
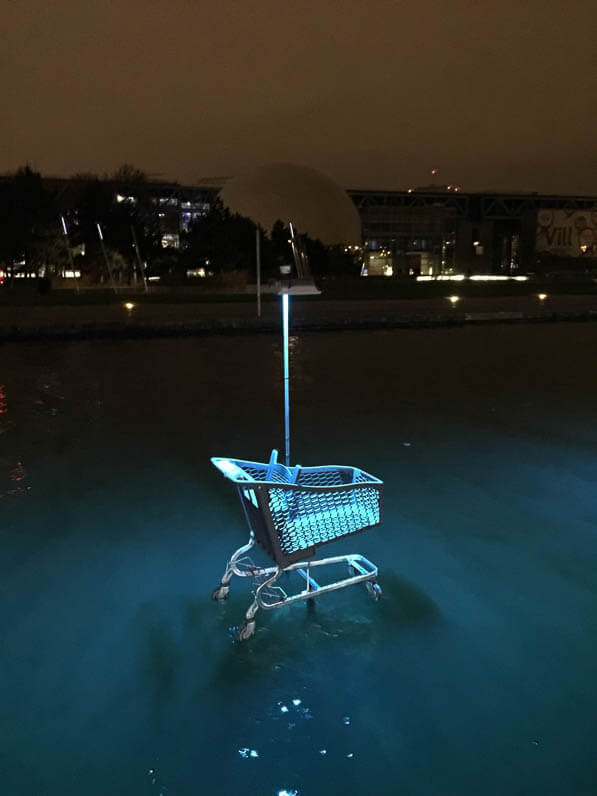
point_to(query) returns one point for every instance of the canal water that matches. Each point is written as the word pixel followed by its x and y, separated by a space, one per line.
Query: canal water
pixel 474 674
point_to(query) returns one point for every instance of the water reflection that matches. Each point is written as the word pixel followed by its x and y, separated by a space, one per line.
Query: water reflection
pixel 18 478
pixel 13 475
pixel 6 422
pixel 50 393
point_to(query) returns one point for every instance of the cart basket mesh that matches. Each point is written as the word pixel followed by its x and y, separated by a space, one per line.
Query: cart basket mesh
pixel 293 510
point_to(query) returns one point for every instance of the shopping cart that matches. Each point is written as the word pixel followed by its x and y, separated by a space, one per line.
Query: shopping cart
pixel 291 512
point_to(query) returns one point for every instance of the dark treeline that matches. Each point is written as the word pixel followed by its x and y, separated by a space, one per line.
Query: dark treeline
pixel 114 230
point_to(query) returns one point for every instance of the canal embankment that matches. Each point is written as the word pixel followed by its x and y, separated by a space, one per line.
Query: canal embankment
pixel 134 317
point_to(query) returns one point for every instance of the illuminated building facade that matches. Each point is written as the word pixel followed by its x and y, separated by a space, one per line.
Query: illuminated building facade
pixel 426 231
pixel 441 231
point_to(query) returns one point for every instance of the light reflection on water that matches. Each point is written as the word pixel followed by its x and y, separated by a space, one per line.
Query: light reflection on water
pixel 475 667
pixel 13 477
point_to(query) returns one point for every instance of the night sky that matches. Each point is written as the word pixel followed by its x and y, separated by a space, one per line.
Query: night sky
pixel 373 92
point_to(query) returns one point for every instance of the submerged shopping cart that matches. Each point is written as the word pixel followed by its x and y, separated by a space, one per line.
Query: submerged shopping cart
pixel 292 511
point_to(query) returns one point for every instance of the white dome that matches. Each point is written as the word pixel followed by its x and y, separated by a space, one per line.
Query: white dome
pixel 314 203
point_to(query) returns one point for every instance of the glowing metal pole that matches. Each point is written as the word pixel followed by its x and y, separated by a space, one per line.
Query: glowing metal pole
pixel 286 378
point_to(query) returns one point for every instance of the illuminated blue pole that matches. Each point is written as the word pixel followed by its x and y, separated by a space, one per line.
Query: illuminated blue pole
pixel 286 379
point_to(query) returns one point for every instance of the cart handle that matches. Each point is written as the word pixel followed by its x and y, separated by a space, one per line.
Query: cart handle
pixel 231 470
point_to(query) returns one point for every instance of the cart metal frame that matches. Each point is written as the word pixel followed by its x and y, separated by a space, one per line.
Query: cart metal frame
pixel 276 501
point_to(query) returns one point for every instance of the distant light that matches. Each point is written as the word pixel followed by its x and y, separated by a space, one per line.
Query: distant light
pixel 119 197
pixel 63 225
pixel 541 296
pixel 129 305
pixel 388 270
pixel 453 299
pixel 473 278
pixel 153 278
pixel 410 190
pixel 99 231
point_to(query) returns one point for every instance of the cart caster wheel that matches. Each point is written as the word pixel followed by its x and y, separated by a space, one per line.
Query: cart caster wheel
pixel 220 592
pixel 247 630
pixel 374 590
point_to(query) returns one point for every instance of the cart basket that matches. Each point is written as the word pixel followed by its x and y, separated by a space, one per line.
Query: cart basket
pixel 291 511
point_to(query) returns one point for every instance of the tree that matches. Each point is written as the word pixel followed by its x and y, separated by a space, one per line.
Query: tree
pixel 127 176
pixel 224 241
pixel 122 207
pixel 29 228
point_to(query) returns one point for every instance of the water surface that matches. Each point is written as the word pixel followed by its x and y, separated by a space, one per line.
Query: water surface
pixel 474 674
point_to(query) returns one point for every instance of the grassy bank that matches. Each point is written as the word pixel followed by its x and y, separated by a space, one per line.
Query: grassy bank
pixel 26 294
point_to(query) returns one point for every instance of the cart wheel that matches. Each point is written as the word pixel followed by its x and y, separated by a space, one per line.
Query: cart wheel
pixel 374 590
pixel 220 592
pixel 247 630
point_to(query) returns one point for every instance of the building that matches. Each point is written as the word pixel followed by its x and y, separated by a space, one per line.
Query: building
pixel 433 231
pixel 428 231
